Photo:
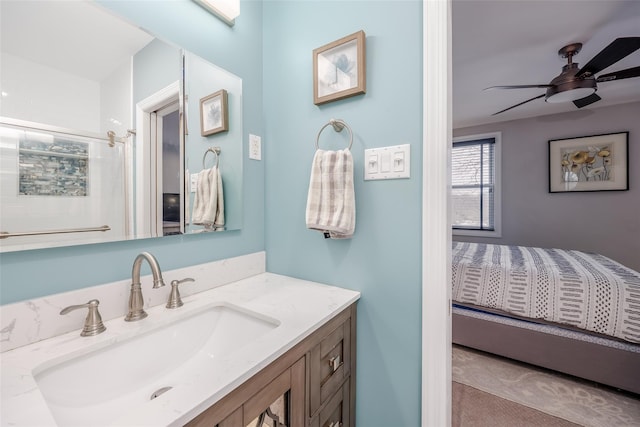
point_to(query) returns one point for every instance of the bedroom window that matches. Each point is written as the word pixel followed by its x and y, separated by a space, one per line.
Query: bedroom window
pixel 475 185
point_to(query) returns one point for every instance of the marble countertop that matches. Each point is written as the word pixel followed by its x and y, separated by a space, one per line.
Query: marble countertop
pixel 299 306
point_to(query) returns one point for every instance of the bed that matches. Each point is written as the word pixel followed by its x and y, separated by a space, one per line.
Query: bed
pixel 570 311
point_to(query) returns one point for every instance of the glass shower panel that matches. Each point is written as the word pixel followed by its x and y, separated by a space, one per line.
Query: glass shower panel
pixel 57 187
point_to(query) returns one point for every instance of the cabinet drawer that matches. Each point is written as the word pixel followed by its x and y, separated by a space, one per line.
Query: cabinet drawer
pixel 329 363
pixel 336 412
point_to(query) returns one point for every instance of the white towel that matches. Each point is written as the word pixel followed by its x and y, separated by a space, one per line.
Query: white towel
pixel 208 206
pixel 331 206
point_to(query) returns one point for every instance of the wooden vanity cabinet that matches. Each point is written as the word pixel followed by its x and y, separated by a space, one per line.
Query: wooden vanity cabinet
pixel 329 369
pixel 317 375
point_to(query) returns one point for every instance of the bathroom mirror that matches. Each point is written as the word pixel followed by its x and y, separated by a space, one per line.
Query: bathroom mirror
pixel 101 136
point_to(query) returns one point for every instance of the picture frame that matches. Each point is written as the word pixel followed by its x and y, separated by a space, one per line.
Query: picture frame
pixel 339 69
pixel 589 163
pixel 214 113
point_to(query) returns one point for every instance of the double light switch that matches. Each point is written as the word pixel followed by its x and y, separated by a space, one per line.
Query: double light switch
pixel 387 162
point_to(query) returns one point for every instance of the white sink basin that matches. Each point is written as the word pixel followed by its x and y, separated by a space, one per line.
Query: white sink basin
pixel 96 387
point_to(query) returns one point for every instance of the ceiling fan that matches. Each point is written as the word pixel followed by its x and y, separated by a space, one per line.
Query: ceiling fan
pixel 580 84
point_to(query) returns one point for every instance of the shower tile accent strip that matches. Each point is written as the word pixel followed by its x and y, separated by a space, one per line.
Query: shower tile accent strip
pixel 59 168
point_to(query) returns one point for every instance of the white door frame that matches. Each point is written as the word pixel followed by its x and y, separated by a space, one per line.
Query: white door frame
pixel 436 224
pixel 157 144
pixel 146 198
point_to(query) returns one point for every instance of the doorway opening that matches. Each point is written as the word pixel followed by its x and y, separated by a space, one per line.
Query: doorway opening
pixel 168 162
pixel 160 183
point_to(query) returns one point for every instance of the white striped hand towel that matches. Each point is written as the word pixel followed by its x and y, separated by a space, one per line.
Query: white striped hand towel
pixel 331 206
pixel 219 221
pixel 208 206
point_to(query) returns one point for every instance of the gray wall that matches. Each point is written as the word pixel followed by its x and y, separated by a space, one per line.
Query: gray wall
pixel 607 222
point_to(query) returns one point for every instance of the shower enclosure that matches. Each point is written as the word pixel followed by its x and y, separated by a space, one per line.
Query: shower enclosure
pixel 57 183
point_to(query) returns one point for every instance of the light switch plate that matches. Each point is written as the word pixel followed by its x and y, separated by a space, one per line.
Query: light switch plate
pixel 388 162
pixel 193 183
pixel 255 147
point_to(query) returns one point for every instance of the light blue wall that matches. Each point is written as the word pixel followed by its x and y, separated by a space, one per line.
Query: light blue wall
pixel 155 67
pixel 202 79
pixel 383 259
pixel 29 274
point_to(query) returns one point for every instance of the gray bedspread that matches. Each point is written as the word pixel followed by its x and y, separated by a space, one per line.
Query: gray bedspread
pixel 584 290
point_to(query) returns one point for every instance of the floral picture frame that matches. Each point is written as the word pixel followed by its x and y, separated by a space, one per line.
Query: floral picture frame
pixel 589 163
pixel 339 69
pixel 214 113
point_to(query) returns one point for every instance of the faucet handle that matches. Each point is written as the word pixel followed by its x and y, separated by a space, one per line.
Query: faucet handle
pixel 93 323
pixel 174 298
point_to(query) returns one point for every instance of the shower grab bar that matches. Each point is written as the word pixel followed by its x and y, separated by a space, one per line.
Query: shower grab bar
pixel 5 234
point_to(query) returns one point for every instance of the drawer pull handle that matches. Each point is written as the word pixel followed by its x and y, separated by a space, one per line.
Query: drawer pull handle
pixel 335 363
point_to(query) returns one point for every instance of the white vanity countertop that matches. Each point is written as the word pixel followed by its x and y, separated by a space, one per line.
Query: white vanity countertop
pixel 300 306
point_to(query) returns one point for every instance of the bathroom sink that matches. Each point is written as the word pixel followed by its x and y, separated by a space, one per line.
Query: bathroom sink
pixel 111 378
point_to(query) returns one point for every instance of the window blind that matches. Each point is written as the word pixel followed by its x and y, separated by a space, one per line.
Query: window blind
pixel 473 184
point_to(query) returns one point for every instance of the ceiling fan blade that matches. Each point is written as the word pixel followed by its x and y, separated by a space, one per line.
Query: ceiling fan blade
pixel 517 87
pixel 517 105
pixel 617 49
pixel 619 75
pixel 587 100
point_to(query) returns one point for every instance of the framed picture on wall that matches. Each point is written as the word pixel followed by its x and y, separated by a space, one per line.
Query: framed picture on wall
pixel 339 69
pixel 589 163
pixel 214 114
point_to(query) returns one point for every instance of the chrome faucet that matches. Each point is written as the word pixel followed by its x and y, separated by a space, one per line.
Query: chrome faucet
pixel 135 298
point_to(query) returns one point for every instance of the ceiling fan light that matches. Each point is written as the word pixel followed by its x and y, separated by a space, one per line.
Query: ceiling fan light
pixel 570 95
pixel 566 88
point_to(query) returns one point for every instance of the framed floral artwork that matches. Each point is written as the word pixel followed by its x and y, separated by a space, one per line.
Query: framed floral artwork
pixel 214 115
pixel 589 163
pixel 339 69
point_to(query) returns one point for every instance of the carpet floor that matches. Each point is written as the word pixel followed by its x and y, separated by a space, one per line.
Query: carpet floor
pixel 559 397
pixel 474 408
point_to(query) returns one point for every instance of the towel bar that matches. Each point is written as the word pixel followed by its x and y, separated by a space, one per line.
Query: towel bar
pixel 6 235
pixel 338 125
pixel 23 124
pixel 214 150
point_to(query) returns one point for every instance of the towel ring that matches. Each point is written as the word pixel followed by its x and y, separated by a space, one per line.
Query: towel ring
pixel 214 150
pixel 338 125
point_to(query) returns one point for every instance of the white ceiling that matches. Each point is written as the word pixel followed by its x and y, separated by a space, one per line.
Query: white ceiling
pixel 77 37
pixel 512 42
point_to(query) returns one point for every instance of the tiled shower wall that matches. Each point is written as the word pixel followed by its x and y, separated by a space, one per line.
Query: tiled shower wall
pixel 58 168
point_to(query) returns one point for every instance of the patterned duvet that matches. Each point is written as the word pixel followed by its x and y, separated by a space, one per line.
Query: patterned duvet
pixel 584 290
